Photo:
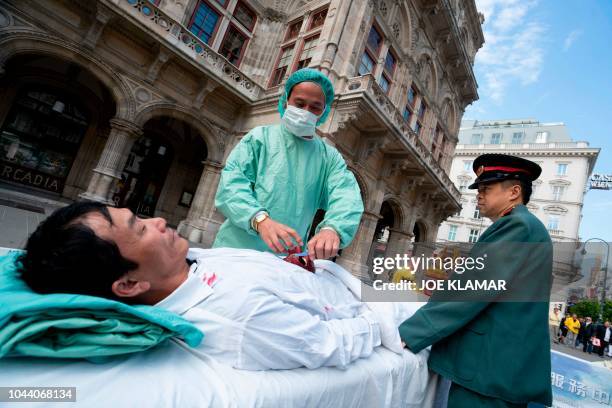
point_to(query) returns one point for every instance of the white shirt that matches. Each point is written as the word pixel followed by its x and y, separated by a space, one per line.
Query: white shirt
pixel 607 335
pixel 259 312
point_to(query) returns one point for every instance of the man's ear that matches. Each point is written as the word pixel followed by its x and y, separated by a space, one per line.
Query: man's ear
pixel 517 191
pixel 127 287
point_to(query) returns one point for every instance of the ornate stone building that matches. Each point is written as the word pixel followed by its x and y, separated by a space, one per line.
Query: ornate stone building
pixel 138 102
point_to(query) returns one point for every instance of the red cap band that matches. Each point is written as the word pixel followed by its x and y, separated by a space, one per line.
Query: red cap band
pixel 508 169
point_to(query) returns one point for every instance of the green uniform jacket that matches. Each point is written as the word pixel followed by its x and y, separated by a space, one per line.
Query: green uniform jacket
pixel 291 178
pixel 478 344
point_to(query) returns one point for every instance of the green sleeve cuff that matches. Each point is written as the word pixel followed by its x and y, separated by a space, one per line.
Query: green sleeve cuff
pixel 418 333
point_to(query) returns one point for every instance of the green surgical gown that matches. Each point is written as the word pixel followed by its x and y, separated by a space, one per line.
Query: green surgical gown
pixel 271 169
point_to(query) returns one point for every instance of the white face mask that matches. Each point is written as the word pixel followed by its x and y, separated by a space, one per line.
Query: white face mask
pixel 300 122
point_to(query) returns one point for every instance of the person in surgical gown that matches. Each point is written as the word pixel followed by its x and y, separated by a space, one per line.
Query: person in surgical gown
pixel 278 176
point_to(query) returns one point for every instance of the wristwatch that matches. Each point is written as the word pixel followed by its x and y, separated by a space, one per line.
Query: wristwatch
pixel 329 228
pixel 258 218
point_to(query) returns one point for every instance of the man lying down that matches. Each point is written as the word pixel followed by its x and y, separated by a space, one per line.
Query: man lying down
pixel 257 311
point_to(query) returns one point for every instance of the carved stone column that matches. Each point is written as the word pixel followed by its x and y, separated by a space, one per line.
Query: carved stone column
pixel 355 257
pixel 122 136
pixel 398 243
pixel 203 220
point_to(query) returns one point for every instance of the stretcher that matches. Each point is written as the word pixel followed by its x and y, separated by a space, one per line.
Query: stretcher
pixel 173 375
pixel 170 375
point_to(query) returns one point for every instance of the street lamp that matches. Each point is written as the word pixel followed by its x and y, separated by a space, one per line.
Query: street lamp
pixel 605 279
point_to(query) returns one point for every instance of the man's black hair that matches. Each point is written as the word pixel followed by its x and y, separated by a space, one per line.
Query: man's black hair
pixel 64 255
pixel 526 188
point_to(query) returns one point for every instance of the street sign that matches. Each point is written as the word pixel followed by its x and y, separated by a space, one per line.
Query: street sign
pixel 601 182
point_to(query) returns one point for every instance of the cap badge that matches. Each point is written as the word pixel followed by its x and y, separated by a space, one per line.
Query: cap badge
pixel 480 170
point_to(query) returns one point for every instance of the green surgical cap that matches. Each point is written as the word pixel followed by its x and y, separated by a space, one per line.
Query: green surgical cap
pixel 308 75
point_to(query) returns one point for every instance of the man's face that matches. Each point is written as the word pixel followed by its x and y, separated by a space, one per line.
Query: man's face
pixel 574 316
pixel 159 251
pixel 493 198
pixel 308 96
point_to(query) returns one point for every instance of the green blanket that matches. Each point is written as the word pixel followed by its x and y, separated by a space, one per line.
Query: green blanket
pixel 78 326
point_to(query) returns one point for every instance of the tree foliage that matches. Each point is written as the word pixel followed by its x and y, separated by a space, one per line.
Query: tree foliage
pixel 591 308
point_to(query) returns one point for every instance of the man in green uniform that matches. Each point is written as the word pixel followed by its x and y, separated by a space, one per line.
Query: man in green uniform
pixel 278 176
pixel 476 343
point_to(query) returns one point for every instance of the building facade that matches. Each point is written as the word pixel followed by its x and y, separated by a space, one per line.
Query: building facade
pixel 558 194
pixel 137 103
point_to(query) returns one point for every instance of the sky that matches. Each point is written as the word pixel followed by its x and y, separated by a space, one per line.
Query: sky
pixel 552 61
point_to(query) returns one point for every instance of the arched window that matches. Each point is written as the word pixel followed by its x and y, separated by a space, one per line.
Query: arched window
pixel 40 138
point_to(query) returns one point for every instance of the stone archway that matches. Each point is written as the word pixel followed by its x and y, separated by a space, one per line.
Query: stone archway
pixel 55 111
pixel 400 236
pixel 389 222
pixel 407 23
pixel 201 222
pixel 215 138
pixel 20 43
pixel 121 131
pixel 163 169
pixel 421 242
pixel 419 232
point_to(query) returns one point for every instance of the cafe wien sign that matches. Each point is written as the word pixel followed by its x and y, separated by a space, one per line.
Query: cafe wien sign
pixel 601 182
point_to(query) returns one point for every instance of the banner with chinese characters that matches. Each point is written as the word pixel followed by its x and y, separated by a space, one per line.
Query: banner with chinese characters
pixel 579 383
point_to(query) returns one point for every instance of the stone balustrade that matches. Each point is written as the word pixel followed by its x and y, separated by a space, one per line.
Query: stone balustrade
pixel 366 84
pixel 179 37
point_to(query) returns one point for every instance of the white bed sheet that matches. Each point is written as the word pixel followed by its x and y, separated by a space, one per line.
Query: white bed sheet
pixel 172 376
